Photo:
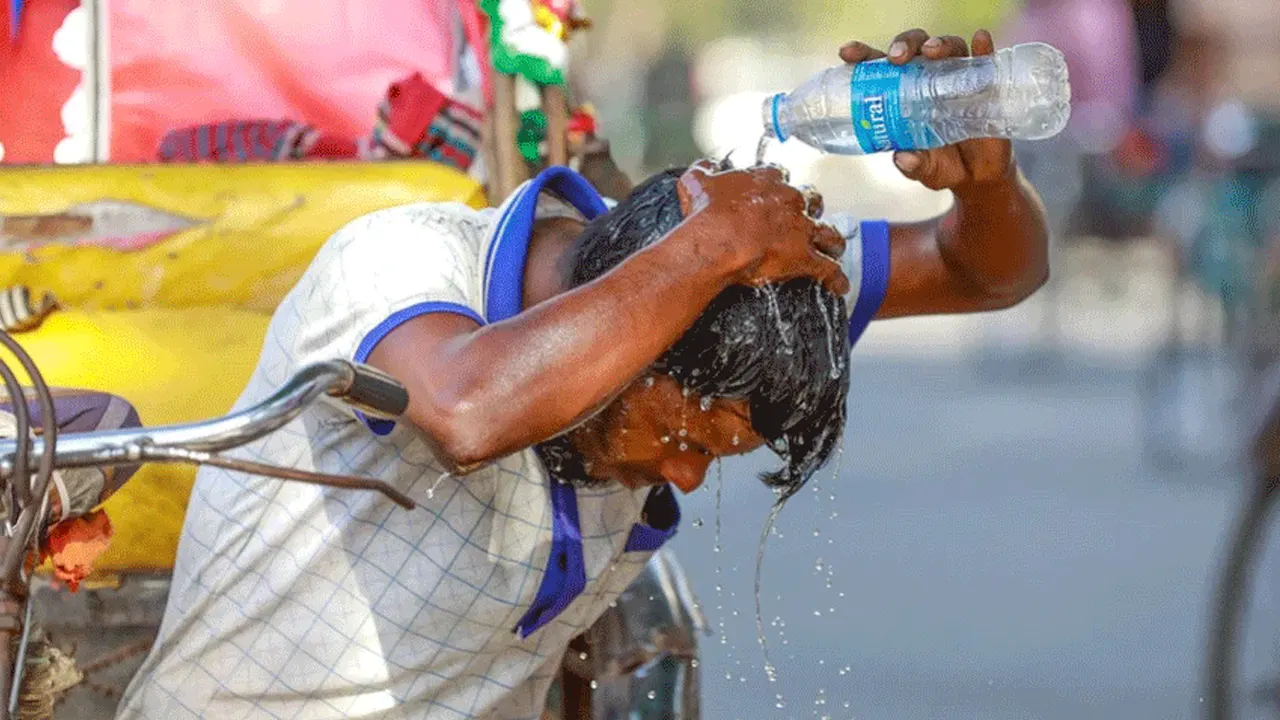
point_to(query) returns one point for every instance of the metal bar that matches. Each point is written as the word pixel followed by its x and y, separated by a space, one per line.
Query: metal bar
pixel 345 482
pixel 1223 660
pixel 19 492
pixel 50 426
pixel 20 660
pixel 133 445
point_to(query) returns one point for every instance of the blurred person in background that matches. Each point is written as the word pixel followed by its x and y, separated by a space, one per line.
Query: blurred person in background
pixel 1232 54
pixel 1097 38
pixel 668 109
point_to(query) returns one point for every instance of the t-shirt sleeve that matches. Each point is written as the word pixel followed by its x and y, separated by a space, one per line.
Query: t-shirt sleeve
pixel 375 274
pixel 866 263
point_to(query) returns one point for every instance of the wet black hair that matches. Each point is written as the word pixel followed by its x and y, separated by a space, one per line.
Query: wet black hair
pixel 783 348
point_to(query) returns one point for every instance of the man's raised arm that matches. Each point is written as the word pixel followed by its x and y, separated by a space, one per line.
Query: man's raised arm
pixel 991 251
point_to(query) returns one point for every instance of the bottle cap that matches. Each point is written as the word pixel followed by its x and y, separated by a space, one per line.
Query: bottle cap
pixel 771 109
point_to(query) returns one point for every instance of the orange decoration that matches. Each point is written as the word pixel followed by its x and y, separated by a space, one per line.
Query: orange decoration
pixel 75 544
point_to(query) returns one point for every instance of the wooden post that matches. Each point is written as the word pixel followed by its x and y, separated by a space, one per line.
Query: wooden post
pixel 556 107
pixel 489 147
pixel 511 170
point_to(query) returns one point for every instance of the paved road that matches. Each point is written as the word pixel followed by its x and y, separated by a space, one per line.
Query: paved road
pixel 998 548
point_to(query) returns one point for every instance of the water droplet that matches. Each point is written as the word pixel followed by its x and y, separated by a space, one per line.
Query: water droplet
pixel 728 676
pixel 684 446
pixel 693 662
pixel 582 656
pixel 648 381
pixel 817 613
pixel 697 522
pixel 684 432
pixel 651 695
pixel 769 524
pixel 705 404
pixel 666 439
pixel 816 533
pixel 594 685
pixel 613 603
pixel 846 704
pixel 736 441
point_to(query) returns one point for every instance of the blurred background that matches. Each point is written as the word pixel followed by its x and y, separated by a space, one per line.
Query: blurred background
pixel 1031 505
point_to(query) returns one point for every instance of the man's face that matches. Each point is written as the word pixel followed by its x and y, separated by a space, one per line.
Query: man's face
pixel 654 433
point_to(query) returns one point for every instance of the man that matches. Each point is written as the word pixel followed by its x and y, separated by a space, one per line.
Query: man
pixel 566 365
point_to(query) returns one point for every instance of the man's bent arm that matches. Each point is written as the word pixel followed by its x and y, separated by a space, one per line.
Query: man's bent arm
pixel 991 252
pixel 484 392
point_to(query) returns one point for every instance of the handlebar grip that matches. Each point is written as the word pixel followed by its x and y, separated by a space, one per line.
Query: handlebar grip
pixel 376 393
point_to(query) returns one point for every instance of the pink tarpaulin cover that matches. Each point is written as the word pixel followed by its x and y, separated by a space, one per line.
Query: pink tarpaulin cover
pixel 324 62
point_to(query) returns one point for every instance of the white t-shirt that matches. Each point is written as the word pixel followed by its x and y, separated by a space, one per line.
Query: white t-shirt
pixel 296 601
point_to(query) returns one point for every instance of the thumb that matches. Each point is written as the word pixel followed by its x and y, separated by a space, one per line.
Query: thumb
pixel 910 163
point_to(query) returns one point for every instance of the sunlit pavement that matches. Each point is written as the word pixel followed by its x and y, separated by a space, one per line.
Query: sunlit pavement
pixel 996 550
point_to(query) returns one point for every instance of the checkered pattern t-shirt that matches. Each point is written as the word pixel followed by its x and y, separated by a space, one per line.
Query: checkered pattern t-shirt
pixel 296 601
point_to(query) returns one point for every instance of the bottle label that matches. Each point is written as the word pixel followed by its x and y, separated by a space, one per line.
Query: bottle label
pixel 876 105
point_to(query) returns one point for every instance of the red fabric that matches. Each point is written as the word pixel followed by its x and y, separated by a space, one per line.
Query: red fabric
pixel 332 147
pixel 414 104
pixel 34 84
pixel 414 120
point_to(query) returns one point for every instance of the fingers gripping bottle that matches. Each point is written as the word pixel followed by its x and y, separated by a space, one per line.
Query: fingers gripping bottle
pixel 1019 93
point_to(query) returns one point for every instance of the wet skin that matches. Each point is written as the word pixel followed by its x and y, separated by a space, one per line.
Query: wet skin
pixel 480 393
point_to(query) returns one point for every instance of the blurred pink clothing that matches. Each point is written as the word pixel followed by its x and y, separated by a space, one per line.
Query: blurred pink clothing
pixel 323 62
pixel 1100 42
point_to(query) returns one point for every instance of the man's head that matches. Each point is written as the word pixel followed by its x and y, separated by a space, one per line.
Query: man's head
pixel 760 365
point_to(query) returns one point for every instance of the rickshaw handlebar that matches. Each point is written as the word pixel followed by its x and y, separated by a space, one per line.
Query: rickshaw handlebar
pixel 359 386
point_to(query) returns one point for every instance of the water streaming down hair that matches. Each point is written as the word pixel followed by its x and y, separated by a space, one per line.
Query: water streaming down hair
pixel 783 348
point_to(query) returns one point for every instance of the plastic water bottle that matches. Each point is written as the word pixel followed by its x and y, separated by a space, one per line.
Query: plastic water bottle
pixel 1019 93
